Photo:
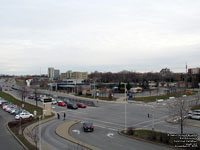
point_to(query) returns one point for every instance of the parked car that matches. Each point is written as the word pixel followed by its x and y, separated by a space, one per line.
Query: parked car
pixel 10 108
pixel 6 105
pixel 2 101
pixel 88 126
pixel 80 105
pixel 66 101
pixel 24 115
pixel 15 110
pixel 54 102
pixel 72 106
pixel 195 116
pixel 60 103
pixel 31 97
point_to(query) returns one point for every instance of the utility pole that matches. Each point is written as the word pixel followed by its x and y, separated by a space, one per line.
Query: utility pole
pixel 125 124
pixel 94 89
pixel 153 117
pixel 125 109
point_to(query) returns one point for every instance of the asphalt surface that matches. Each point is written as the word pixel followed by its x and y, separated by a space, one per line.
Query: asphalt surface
pixel 111 140
pixel 55 142
pixel 7 141
pixel 110 118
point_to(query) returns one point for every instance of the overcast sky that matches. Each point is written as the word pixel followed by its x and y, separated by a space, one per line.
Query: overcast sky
pixel 102 35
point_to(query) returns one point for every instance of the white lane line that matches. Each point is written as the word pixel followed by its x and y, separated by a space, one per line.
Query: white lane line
pixel 149 121
pixel 97 120
pixel 104 127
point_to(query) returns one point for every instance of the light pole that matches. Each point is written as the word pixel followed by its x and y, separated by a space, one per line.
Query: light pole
pixel 94 89
pixel 40 142
pixel 20 126
pixel 153 117
pixel 125 115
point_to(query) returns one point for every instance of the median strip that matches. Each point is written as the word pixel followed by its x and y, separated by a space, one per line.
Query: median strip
pixel 63 131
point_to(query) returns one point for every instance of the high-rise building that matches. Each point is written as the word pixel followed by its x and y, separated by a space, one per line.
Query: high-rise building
pixel 56 74
pixel 51 73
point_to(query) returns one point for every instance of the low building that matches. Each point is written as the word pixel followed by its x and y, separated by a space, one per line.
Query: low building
pixel 192 71
pixel 74 75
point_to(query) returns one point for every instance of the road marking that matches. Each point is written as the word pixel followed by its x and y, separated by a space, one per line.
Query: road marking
pixel 104 127
pixel 110 135
pixel 97 120
pixel 76 131
pixel 149 121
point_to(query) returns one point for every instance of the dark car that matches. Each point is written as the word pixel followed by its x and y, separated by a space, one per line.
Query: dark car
pixel 88 127
pixel 66 101
pixel 31 97
pixel 72 106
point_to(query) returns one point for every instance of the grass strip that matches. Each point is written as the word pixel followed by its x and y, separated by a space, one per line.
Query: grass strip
pixel 27 106
pixel 154 98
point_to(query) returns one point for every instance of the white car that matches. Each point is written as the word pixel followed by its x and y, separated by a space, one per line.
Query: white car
pixel 195 116
pixel 24 115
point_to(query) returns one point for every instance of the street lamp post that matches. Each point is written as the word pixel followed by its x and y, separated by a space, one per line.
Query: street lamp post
pixel 94 90
pixel 40 142
pixel 153 117
pixel 125 109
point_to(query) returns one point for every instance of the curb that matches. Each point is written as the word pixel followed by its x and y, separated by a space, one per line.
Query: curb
pixel 188 124
pixel 18 140
pixel 66 127
pixel 144 140
pixel 32 126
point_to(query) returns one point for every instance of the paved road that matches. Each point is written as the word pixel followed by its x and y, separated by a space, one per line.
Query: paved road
pixel 110 117
pixel 55 142
pixel 7 141
pixel 107 139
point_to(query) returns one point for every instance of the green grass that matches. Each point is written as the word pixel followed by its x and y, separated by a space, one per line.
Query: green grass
pixel 154 136
pixel 195 107
pixel 27 106
pixel 20 82
pixel 154 98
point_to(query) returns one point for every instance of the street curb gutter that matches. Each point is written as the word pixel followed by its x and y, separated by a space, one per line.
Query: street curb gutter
pixel 18 140
pixel 63 131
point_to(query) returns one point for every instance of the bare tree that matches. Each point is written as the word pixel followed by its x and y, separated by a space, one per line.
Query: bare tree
pixel 23 92
pixel 179 110
pixel 36 95
pixel 34 135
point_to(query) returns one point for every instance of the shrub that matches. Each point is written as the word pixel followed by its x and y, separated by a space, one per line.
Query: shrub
pixel 130 131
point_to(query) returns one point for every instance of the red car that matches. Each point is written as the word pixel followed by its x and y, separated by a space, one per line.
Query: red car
pixel 80 105
pixel 61 104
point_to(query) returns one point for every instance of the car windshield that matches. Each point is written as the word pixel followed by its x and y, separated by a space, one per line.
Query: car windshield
pixel 88 124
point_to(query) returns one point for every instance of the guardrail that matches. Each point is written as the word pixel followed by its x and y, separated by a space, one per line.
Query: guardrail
pixel 71 99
